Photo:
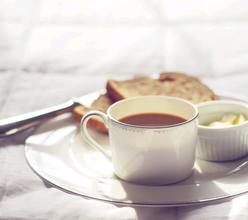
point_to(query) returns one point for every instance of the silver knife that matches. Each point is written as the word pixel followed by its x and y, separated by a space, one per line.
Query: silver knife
pixel 13 125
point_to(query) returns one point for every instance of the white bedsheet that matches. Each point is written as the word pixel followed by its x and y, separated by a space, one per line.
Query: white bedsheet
pixel 51 51
pixel 23 195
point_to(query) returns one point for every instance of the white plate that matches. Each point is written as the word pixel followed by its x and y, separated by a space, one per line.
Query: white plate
pixel 57 153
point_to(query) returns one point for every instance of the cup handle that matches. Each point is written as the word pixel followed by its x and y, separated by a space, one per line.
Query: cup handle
pixel 85 134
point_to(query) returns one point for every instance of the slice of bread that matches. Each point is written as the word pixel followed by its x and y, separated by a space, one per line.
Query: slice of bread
pixel 138 86
pixel 101 104
pixel 185 86
pixel 168 84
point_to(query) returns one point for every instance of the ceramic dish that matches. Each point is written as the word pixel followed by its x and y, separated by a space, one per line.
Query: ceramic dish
pixel 57 153
pixel 222 144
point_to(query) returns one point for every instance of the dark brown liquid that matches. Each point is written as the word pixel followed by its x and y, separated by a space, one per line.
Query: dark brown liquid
pixel 152 119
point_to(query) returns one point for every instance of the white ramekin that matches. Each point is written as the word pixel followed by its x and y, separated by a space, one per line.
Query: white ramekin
pixel 222 144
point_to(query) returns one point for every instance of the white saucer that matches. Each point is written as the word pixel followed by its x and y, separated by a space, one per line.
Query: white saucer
pixel 57 153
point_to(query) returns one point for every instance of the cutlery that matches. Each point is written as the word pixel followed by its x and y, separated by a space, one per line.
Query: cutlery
pixel 16 124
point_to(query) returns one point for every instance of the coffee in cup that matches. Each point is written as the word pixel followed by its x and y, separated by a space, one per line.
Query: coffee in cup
pixel 152 138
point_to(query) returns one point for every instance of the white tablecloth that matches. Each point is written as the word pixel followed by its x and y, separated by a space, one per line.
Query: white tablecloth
pixel 53 50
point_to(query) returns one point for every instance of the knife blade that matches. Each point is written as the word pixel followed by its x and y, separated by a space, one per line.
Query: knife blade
pixel 16 124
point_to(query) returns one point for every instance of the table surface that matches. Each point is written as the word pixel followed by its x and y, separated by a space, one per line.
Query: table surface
pixel 54 50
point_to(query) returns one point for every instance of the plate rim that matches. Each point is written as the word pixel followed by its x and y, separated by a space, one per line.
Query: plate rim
pixel 134 204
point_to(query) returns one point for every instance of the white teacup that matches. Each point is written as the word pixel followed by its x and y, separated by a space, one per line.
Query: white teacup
pixel 149 155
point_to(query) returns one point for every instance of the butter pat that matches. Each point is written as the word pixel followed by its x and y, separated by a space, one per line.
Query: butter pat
pixel 240 119
pixel 228 120
pixel 218 124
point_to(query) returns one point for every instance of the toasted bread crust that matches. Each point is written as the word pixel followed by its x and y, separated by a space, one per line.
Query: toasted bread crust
pixel 79 112
pixel 168 84
pixel 185 86
pixel 138 86
pixel 112 90
pixel 101 104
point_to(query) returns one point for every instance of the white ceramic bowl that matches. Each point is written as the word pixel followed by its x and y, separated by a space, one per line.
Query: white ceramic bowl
pixel 221 144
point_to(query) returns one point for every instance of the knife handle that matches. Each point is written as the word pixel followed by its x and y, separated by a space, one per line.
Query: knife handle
pixel 13 125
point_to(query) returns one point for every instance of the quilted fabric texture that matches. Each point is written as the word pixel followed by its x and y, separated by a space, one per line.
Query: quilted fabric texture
pixel 53 50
